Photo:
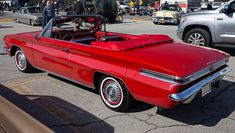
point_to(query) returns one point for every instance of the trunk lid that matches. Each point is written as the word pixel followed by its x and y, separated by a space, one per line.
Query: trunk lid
pixel 175 59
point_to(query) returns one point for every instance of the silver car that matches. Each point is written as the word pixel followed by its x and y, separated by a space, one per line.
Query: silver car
pixel 29 15
pixel 209 27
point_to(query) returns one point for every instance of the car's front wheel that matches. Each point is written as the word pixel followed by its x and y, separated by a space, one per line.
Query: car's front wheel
pixel 22 63
pixel 198 37
pixel 114 94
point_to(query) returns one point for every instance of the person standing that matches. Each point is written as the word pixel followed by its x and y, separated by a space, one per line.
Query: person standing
pixel 1 7
pixel 48 13
pixel 166 6
pixel 42 5
pixel 209 6
pixel 78 7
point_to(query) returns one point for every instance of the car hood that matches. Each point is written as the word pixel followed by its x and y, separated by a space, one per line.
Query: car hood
pixel 174 58
pixel 201 13
pixel 164 13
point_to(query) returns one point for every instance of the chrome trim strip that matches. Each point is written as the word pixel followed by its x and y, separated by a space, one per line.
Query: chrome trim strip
pixel 92 87
pixel 159 76
pixel 208 69
pixel 198 86
pixel 184 80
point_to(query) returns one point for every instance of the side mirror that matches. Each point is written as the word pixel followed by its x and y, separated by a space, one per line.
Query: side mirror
pixel 35 36
pixel 226 8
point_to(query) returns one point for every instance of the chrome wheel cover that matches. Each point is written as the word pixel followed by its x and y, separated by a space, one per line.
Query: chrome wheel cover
pixel 197 39
pixel 20 60
pixel 111 92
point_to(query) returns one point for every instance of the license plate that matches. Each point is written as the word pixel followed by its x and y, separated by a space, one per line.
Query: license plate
pixel 206 89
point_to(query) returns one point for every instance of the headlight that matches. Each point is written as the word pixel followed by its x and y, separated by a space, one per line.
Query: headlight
pixel 174 16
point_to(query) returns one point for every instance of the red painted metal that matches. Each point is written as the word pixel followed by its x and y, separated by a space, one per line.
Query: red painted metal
pixel 80 62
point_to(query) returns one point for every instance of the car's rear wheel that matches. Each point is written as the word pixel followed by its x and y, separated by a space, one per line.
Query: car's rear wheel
pixel 22 63
pixel 157 23
pixel 114 94
pixel 198 37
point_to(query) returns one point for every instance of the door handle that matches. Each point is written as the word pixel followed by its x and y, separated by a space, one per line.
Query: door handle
pixel 219 18
pixel 65 50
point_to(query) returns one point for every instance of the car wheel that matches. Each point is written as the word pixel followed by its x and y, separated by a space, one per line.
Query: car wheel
pixel 114 94
pixel 157 23
pixel 119 18
pixel 198 37
pixel 16 20
pixel 22 63
pixel 32 23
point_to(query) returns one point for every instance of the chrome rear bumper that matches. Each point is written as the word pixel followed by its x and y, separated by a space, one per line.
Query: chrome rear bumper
pixel 190 92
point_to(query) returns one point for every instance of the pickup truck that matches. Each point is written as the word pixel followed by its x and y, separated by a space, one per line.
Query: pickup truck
pixel 208 28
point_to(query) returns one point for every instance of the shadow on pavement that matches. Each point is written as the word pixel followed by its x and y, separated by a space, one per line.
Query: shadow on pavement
pixel 6 26
pixel 207 111
pixel 168 24
pixel 229 50
pixel 55 113
pixel 3 53
pixel 135 107
pixel 124 22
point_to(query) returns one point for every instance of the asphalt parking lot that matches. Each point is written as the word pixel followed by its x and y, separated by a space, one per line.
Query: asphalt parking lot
pixel 67 107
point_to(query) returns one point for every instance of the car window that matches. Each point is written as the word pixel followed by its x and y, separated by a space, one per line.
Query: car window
pixel 34 10
pixel 232 6
pixel 171 8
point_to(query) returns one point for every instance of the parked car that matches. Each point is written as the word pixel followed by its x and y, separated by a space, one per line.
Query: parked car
pixel 150 68
pixel 171 14
pixel 204 6
pixel 29 15
pixel 216 5
pixel 209 27
pixel 123 7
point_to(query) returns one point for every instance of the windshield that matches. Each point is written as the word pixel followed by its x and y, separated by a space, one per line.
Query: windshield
pixel 69 27
pixel 34 10
pixel 75 25
pixel 170 8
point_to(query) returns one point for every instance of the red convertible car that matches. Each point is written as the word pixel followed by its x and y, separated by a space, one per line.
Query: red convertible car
pixel 149 68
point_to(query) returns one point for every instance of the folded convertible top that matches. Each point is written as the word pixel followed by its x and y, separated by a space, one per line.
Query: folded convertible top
pixel 140 41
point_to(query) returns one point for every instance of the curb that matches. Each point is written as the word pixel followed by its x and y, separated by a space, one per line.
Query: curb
pixel 145 19
pixel 6 20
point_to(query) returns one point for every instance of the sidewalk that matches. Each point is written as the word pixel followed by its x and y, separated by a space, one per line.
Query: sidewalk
pixel 6 16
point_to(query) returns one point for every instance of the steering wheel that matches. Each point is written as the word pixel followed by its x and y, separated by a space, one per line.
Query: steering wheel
pixel 68 36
